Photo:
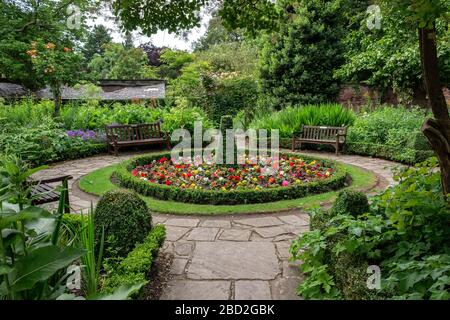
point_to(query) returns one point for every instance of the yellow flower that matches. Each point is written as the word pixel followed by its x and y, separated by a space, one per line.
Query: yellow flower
pixel 298 181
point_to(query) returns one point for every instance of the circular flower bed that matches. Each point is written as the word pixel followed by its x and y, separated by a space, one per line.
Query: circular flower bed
pixel 254 174
pixel 256 181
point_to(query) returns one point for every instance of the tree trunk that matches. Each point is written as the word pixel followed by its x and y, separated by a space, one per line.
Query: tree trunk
pixel 57 101
pixel 436 130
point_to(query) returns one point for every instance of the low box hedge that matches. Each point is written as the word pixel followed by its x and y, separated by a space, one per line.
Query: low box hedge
pixel 125 179
pixel 137 265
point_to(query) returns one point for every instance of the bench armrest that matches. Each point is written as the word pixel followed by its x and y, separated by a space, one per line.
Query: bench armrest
pixel 344 135
pixel 51 180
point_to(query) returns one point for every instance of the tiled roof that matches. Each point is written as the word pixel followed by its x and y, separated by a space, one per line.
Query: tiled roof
pixel 111 90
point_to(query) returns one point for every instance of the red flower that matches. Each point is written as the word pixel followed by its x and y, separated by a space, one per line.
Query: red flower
pixel 134 172
pixel 168 183
pixel 142 174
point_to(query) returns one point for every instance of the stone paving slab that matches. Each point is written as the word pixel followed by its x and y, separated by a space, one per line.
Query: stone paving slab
pixel 234 260
pixel 182 222
pixel 175 233
pixel 235 235
pixel 197 290
pixel 259 222
pixel 203 234
pixel 252 290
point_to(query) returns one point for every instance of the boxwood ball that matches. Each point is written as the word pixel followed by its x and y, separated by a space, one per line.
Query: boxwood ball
pixel 125 218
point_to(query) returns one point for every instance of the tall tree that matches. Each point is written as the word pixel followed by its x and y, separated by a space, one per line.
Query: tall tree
pixel 175 16
pixel 216 33
pixel 298 61
pixel 118 63
pixel 96 39
pixel 128 42
pixel 425 13
pixel 25 21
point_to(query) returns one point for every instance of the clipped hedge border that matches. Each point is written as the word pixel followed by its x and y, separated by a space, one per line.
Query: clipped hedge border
pixel 123 177
pixel 404 155
pixel 136 266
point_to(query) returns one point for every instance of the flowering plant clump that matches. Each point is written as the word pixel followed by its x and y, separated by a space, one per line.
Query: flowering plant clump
pixel 85 135
pixel 253 175
pixel 56 66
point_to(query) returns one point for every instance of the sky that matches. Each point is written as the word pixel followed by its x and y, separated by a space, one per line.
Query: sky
pixel 161 39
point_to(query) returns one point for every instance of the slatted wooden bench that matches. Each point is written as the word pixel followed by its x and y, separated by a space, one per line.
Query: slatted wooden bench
pixel 119 136
pixel 334 136
pixel 44 191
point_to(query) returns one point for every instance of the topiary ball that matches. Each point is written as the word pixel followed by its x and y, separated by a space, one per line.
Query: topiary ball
pixel 350 202
pixel 126 220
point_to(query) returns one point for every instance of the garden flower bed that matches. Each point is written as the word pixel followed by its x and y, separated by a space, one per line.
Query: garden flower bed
pixel 210 183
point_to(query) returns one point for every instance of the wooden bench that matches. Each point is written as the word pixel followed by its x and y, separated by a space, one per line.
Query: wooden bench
pixel 119 136
pixel 334 136
pixel 43 191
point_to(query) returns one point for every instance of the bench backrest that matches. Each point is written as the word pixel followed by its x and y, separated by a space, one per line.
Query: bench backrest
pixel 134 132
pixel 323 133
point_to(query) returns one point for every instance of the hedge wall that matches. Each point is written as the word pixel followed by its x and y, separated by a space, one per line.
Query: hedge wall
pixel 125 179
pixel 137 265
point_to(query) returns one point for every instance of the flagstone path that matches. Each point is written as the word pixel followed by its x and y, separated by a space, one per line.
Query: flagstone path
pixel 236 257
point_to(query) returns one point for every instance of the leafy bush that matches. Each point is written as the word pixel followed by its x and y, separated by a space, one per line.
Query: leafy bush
pixel 392 133
pixel 125 218
pixel 291 119
pixel 125 179
pixel 299 60
pixel 351 202
pixel 231 94
pixel 29 129
pixel 136 266
pixel 405 233
pixel 183 117
pixel 46 143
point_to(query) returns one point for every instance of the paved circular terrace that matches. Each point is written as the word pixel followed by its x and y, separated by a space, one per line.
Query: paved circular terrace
pixel 241 257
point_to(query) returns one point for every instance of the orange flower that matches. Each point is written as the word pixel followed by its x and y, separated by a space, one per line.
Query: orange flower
pixel 50 46
pixel 32 53
pixel 67 49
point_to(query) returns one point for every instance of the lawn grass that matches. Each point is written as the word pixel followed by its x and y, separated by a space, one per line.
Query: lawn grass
pixel 98 182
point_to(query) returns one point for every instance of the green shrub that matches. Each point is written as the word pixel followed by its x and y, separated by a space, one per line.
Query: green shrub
pixel 127 180
pixel 231 95
pixel 298 61
pixel 125 218
pixel 291 119
pixel 45 143
pixel 136 266
pixel 391 133
pixel 405 233
pixel 350 202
